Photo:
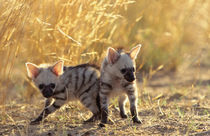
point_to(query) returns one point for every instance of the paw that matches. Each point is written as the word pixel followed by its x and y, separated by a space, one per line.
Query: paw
pixel 102 125
pixel 123 115
pixel 93 118
pixel 89 120
pixel 137 120
pixel 34 122
pixel 106 122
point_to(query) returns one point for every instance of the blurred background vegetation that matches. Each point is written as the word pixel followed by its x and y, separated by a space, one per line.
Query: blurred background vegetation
pixel 79 31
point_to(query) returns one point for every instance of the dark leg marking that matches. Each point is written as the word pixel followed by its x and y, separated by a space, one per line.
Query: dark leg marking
pixel 43 114
pixel 104 115
pixel 133 109
pixel 135 115
pixel 48 102
pixel 60 98
pixel 104 111
pixel 56 106
pixel 122 112
pixel 46 112
pixel 98 102
pixel 122 100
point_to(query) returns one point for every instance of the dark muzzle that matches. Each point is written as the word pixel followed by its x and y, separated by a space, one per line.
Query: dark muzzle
pixel 129 76
pixel 47 92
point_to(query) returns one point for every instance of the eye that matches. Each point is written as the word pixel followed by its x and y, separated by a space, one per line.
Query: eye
pixel 123 71
pixel 41 86
pixel 52 85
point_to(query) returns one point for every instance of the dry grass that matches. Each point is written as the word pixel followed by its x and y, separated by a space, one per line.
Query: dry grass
pixel 174 34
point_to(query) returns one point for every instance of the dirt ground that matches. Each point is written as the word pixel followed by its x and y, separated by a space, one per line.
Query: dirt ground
pixel 174 103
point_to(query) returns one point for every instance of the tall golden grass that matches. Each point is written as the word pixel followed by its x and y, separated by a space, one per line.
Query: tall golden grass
pixel 80 31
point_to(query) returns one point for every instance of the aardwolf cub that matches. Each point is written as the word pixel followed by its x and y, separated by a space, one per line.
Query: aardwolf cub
pixel 118 78
pixel 62 84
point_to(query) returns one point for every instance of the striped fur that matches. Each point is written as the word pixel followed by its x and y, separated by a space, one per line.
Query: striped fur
pixel 118 79
pixel 75 83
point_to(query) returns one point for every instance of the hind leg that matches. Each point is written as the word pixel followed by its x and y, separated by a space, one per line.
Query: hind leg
pixel 132 95
pixel 96 114
pixel 122 101
pixel 91 104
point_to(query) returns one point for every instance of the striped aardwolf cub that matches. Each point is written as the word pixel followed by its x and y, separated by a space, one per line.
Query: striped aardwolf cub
pixel 118 78
pixel 62 84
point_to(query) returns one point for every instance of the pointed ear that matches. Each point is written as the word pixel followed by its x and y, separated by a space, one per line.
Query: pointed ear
pixel 57 68
pixel 134 51
pixel 112 55
pixel 32 70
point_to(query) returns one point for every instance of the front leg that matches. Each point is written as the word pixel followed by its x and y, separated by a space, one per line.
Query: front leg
pixel 105 90
pixel 104 107
pixel 122 100
pixel 48 102
pixel 48 110
pixel 132 95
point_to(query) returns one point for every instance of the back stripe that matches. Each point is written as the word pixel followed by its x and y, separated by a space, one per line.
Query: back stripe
pixel 85 66
pixel 107 85
pixel 87 90
pixel 83 78
pixel 90 78
pixel 77 77
pixel 84 98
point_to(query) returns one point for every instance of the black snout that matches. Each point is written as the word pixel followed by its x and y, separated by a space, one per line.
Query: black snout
pixel 47 92
pixel 129 76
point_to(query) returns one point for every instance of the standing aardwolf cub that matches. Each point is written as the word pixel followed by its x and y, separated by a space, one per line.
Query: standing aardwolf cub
pixel 62 84
pixel 118 78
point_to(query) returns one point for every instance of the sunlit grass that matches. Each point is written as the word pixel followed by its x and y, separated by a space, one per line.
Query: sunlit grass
pixel 80 31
